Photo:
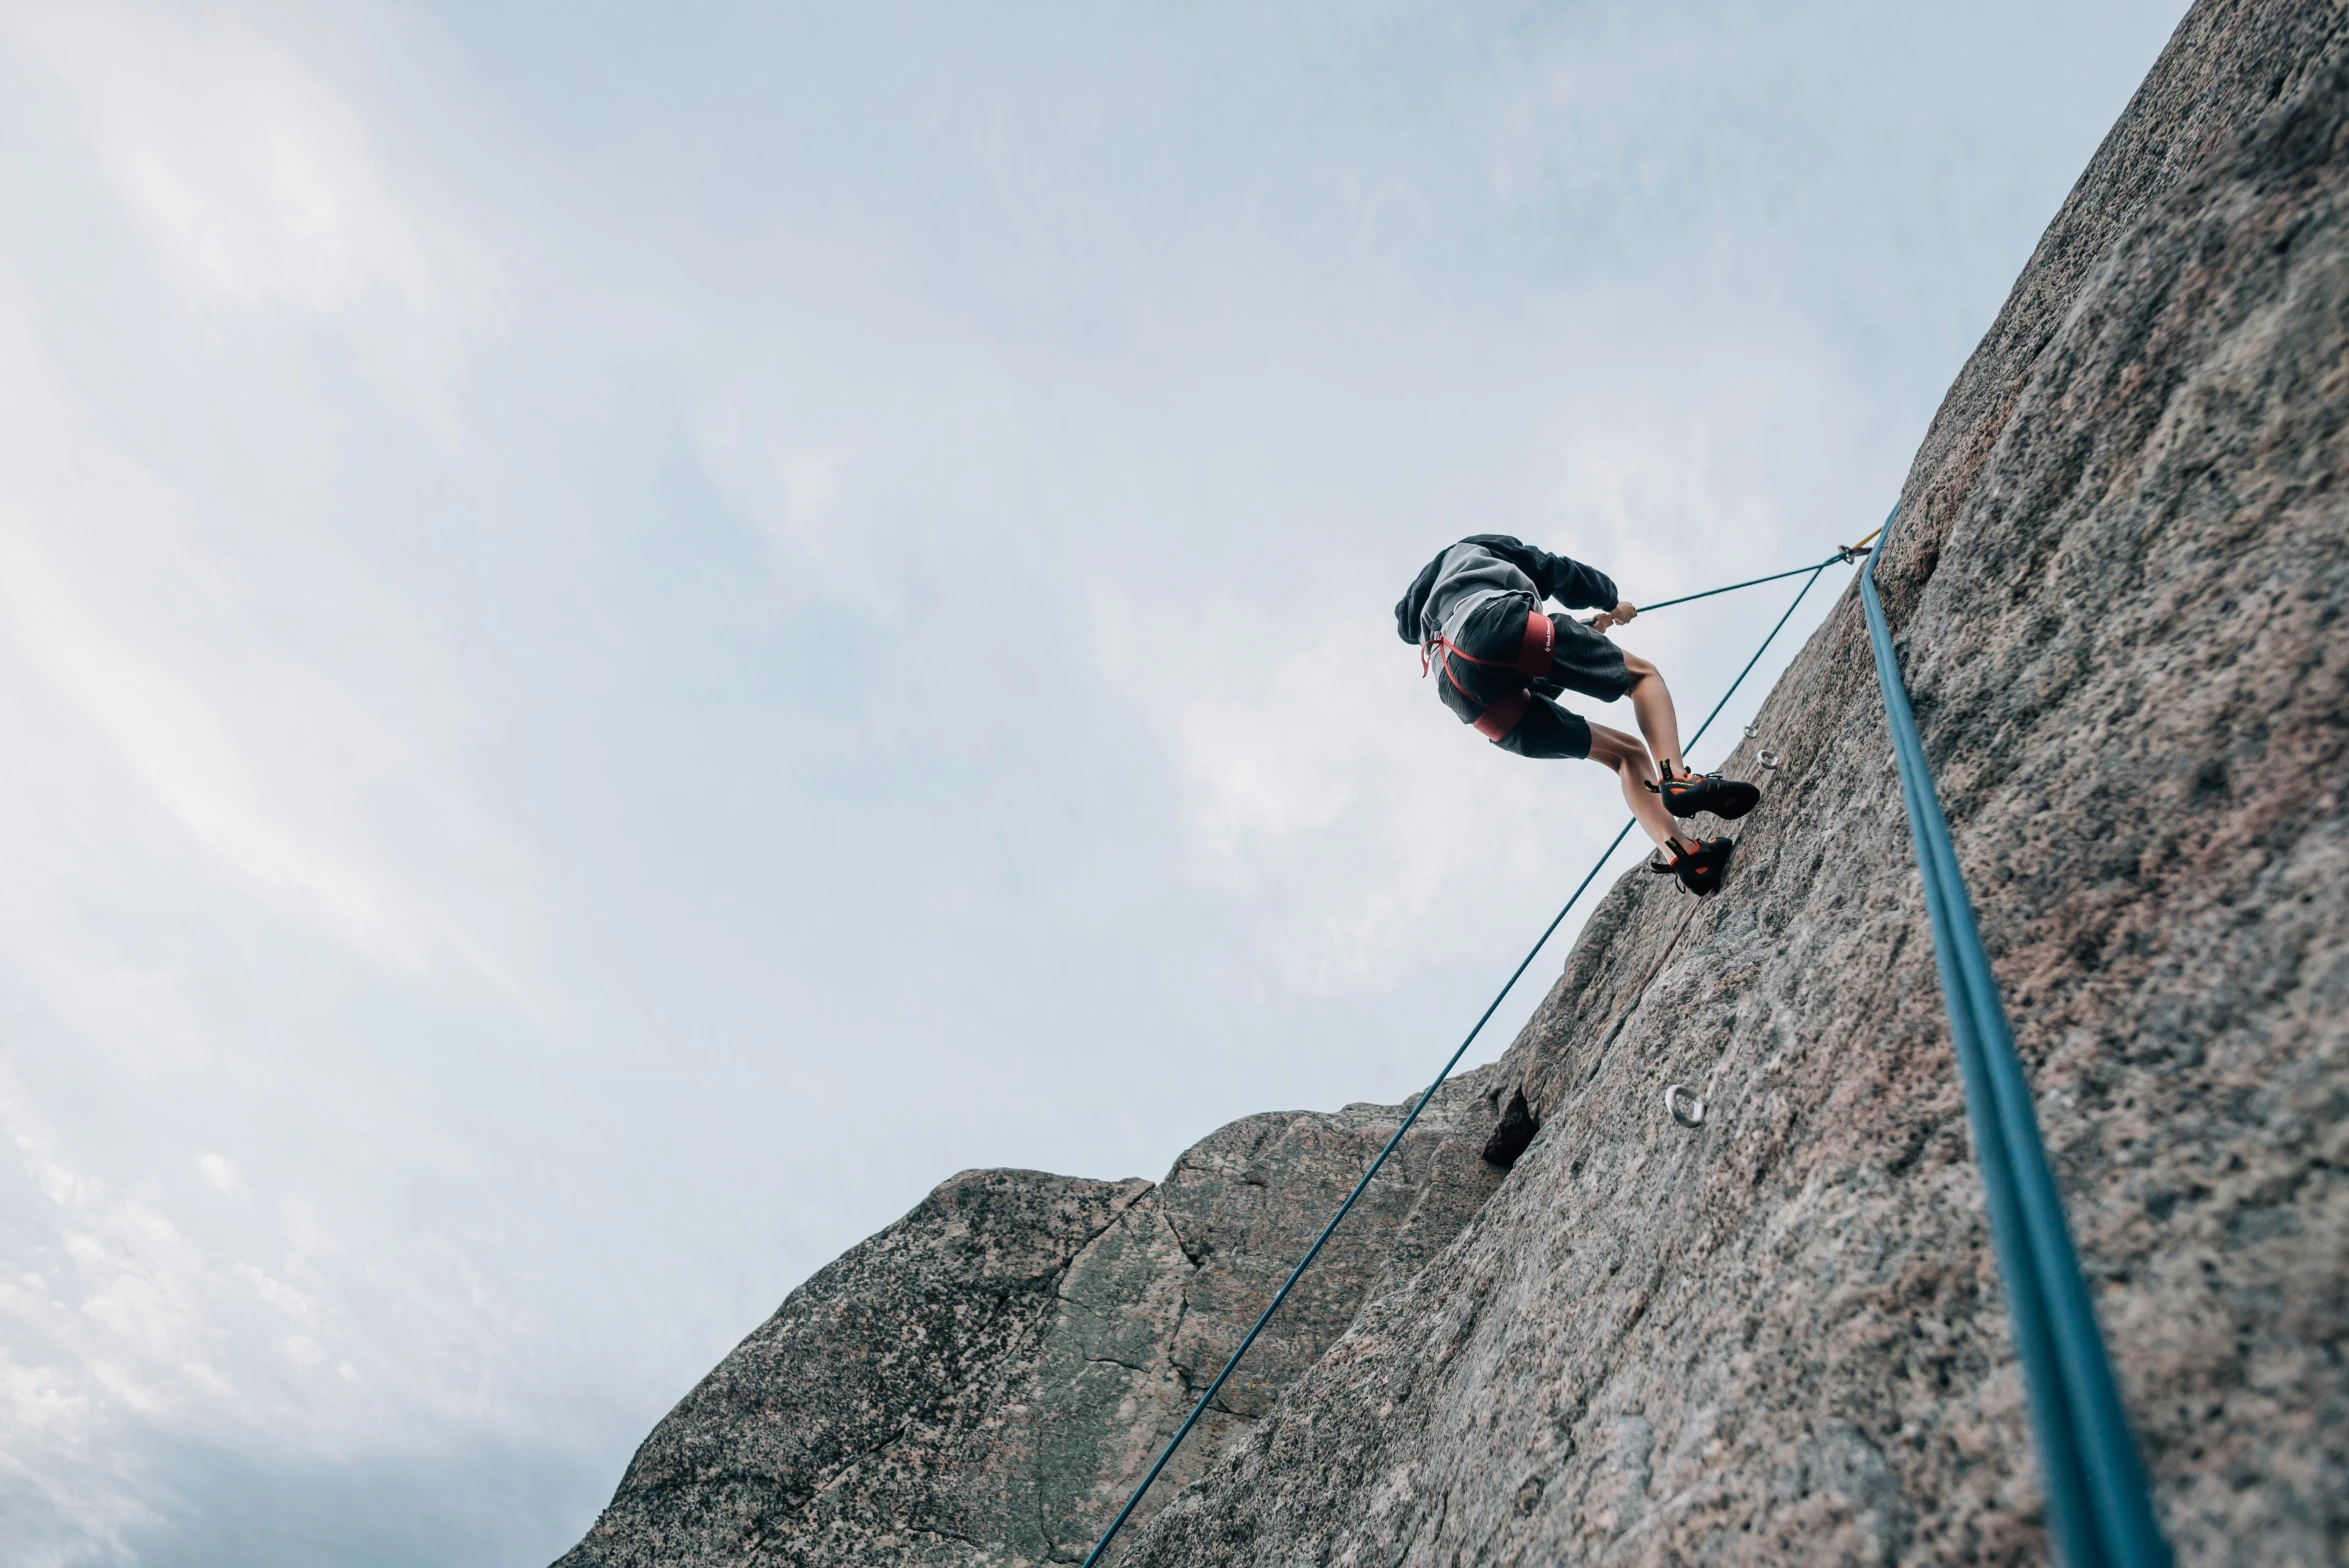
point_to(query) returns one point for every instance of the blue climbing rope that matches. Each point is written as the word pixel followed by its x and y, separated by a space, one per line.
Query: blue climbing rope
pixel 1362 1186
pixel 1844 554
pixel 2096 1492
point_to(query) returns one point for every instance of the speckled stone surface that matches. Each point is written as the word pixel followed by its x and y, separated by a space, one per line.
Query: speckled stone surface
pixel 2117 589
pixel 984 1381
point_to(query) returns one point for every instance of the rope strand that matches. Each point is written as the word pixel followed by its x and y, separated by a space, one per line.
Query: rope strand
pixel 1751 582
pixel 2099 1507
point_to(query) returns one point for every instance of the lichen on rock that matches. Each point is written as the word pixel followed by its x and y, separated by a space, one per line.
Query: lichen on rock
pixel 985 1380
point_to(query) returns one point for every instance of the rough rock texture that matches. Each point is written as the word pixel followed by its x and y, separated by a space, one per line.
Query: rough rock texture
pixel 2118 586
pixel 985 1380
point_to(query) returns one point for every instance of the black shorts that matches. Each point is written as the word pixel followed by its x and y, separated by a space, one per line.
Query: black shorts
pixel 1581 660
pixel 1585 661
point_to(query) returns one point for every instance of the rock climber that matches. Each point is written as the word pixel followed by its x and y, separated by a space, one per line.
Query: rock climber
pixel 1476 613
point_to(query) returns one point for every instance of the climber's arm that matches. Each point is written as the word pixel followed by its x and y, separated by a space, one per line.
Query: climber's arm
pixel 1572 584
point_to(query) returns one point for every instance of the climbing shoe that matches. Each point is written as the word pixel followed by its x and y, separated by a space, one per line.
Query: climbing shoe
pixel 1686 794
pixel 1700 866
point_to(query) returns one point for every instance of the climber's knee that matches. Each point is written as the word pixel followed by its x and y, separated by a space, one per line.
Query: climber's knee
pixel 1639 668
pixel 1618 751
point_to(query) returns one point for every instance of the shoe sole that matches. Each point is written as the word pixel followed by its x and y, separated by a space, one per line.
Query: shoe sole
pixel 1712 876
pixel 1726 801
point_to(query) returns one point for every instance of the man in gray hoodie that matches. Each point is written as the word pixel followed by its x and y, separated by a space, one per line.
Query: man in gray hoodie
pixel 1476 613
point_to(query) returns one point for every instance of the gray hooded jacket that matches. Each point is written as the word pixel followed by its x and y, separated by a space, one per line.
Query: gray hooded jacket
pixel 1481 567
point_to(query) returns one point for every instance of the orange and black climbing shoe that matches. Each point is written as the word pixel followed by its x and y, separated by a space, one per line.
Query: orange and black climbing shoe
pixel 1700 866
pixel 1686 794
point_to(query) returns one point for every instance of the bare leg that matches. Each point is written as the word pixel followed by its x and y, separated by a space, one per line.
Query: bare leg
pixel 1651 704
pixel 1633 767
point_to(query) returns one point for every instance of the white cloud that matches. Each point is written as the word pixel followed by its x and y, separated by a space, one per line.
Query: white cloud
pixel 798 496
pixel 237 782
pixel 116 593
pixel 222 1173
pixel 250 171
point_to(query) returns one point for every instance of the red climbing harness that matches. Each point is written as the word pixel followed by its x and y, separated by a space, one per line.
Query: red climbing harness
pixel 1533 662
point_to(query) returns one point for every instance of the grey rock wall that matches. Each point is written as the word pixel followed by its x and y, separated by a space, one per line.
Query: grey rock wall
pixel 984 1381
pixel 2118 587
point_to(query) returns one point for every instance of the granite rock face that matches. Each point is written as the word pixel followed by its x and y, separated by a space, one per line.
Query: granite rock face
pixel 985 1380
pixel 2117 586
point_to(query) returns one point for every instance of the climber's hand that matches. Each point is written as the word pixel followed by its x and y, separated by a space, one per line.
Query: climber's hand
pixel 1608 620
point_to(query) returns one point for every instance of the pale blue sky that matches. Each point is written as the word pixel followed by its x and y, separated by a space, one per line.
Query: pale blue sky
pixel 630 632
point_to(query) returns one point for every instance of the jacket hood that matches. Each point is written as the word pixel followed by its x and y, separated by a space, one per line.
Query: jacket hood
pixel 1414 600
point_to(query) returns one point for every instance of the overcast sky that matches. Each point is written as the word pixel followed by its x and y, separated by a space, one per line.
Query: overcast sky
pixel 629 632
